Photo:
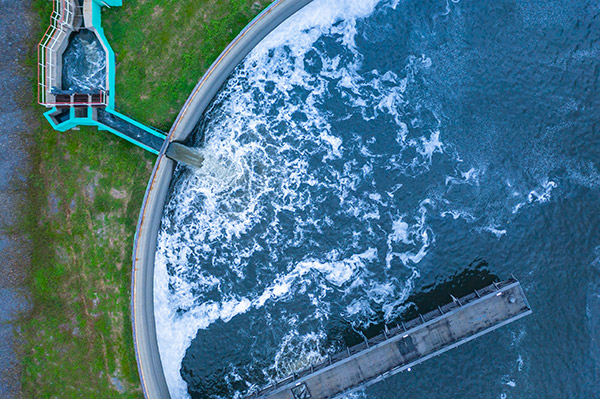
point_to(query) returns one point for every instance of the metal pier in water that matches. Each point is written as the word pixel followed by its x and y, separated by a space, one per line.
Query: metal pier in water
pixel 406 345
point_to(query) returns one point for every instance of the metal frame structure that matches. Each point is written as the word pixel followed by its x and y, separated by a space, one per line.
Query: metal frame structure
pixel 62 23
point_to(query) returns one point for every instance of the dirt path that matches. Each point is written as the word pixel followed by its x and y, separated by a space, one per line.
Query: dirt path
pixel 17 126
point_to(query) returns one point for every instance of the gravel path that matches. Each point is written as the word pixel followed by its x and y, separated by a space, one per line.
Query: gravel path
pixel 17 126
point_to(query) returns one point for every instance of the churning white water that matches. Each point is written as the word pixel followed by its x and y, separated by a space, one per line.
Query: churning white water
pixel 329 177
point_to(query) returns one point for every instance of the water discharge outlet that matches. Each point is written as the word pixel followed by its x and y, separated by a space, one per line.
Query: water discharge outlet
pixel 186 155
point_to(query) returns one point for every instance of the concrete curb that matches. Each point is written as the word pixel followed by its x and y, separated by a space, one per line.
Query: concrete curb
pixel 142 300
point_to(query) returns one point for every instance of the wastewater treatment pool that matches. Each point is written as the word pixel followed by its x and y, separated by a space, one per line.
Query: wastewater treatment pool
pixel 365 160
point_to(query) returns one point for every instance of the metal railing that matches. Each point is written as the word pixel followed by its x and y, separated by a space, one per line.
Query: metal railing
pixel 99 98
pixel 62 21
pixel 387 333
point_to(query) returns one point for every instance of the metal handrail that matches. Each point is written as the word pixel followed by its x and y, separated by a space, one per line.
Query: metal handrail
pixel 62 22
pixel 103 100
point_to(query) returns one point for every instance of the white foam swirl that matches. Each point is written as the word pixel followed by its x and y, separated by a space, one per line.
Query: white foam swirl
pixel 237 168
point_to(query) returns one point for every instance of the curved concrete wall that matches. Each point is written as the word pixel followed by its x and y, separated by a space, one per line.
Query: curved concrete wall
pixel 142 301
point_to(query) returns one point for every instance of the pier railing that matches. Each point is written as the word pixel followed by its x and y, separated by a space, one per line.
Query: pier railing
pixel 388 332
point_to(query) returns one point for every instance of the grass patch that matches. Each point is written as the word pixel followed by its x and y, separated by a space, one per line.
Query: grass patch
pixel 164 47
pixel 79 336
pixel 86 191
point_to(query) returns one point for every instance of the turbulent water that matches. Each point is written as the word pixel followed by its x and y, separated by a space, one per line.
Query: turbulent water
pixel 366 160
pixel 84 63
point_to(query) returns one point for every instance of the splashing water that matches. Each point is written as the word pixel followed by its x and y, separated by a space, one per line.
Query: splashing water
pixel 84 63
pixel 339 171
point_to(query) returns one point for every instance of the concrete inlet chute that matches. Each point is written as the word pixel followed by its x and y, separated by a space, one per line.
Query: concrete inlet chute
pixel 76 76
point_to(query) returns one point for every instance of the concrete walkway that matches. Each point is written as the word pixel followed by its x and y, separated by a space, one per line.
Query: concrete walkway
pixel 17 125
pixel 443 329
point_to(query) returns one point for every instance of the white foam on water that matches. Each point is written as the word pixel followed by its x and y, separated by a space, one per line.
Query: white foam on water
pixel 298 351
pixel 520 363
pixel 335 270
pixel 303 29
pixel 359 394
pixel 430 145
pixel 458 214
pixel 469 177
pixel 495 230
pixel 334 142
pixel 400 231
pixel 360 307
pixel 509 382
pixel 542 196
pixel 176 329
pixel 539 195
pixel 517 336
pixel 253 176
pixel 85 64
pixel 418 234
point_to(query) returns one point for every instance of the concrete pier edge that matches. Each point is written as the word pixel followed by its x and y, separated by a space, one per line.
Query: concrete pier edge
pixel 453 310
pixel 150 368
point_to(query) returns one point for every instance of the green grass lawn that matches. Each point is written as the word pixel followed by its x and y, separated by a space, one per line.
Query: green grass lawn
pixel 164 47
pixel 85 200
pixel 86 192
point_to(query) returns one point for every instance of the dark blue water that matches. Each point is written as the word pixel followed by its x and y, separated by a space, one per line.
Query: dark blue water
pixel 366 161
